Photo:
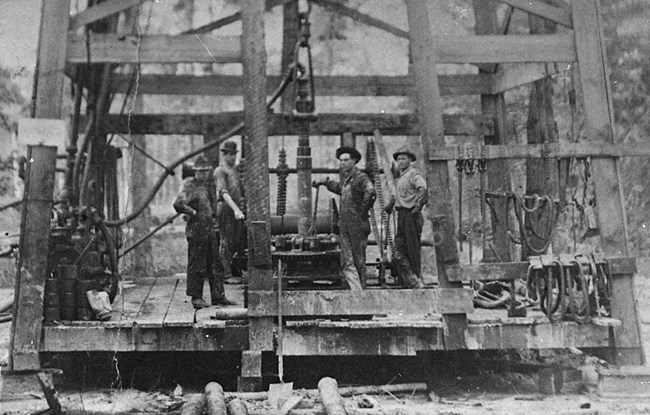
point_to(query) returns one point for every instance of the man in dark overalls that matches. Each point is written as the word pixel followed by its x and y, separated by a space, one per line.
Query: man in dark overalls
pixel 357 197
pixel 202 256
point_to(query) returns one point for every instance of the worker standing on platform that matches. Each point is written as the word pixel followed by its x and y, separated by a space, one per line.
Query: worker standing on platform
pixel 230 197
pixel 411 189
pixel 202 258
pixel 357 198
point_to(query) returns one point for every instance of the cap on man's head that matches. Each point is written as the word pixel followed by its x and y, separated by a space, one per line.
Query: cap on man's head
pixel 229 147
pixel 353 152
pixel 201 163
pixel 406 151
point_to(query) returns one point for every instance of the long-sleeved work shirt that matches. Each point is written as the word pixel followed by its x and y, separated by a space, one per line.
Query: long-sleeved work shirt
pixel 361 195
pixel 194 198
pixel 411 189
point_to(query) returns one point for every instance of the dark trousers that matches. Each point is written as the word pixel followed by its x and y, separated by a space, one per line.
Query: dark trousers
pixel 353 239
pixel 233 238
pixel 407 239
pixel 203 262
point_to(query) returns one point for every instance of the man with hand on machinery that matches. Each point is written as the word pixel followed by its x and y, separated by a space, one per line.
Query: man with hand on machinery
pixel 202 258
pixel 357 198
pixel 230 196
pixel 411 189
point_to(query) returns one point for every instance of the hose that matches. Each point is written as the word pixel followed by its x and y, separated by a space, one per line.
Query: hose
pixel 234 130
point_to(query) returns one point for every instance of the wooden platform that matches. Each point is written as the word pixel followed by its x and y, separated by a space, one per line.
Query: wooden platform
pixel 154 314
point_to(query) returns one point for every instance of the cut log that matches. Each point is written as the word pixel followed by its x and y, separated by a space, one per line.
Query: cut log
pixel 195 405
pixel 330 397
pixel 347 391
pixel 215 400
pixel 237 407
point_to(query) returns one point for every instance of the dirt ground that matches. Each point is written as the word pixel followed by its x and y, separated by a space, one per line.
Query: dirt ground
pixel 486 393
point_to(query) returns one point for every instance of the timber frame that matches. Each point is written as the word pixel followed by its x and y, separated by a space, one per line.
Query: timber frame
pixel 63 50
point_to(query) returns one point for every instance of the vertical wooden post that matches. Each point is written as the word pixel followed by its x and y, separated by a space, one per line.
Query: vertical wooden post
pixel 256 145
pixel 290 25
pixel 494 105
pixel 422 39
pixel 593 69
pixel 32 263
pixel 39 189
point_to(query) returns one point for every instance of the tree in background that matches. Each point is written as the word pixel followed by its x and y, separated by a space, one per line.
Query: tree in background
pixel 628 49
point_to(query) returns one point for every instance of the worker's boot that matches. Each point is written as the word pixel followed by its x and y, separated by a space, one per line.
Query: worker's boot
pixel 199 303
pixel 223 301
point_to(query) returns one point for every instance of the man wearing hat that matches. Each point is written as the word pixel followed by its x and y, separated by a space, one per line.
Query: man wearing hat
pixel 202 258
pixel 230 200
pixel 357 197
pixel 411 189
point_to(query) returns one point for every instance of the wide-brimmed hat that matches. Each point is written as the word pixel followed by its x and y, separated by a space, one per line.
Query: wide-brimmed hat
pixel 201 164
pixel 353 152
pixel 229 147
pixel 406 151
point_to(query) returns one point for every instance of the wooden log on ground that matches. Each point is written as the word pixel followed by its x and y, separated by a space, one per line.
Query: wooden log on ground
pixel 215 399
pixel 237 407
pixel 195 405
pixel 330 397
pixel 347 391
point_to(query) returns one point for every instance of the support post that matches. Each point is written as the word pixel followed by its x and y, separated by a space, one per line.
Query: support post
pixel 494 105
pixel 422 39
pixel 39 189
pixel 599 115
pixel 32 262
pixel 260 271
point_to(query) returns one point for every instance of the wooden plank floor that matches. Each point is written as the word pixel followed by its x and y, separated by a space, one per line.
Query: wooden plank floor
pixel 157 302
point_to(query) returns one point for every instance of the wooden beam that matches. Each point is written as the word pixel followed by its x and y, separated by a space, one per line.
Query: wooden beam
pixel 555 150
pixel 230 85
pixel 501 271
pixel 517 75
pixel 113 48
pixel 51 59
pixel 506 49
pixel 347 303
pixel 379 338
pixel 235 17
pixel 208 49
pixel 101 11
pixel 498 175
pixel 425 57
pixel 599 117
pixel 256 146
pixel 357 16
pixel 326 124
pixel 543 10
pixel 32 264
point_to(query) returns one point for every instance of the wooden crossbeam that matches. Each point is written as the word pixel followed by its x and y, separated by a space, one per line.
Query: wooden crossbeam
pixel 556 150
pixel 209 49
pixel 499 271
pixel 112 48
pixel 517 75
pixel 101 11
pixel 343 303
pixel 543 10
pixel 326 124
pixel 235 17
pixel 357 16
pixel 506 49
pixel 230 85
